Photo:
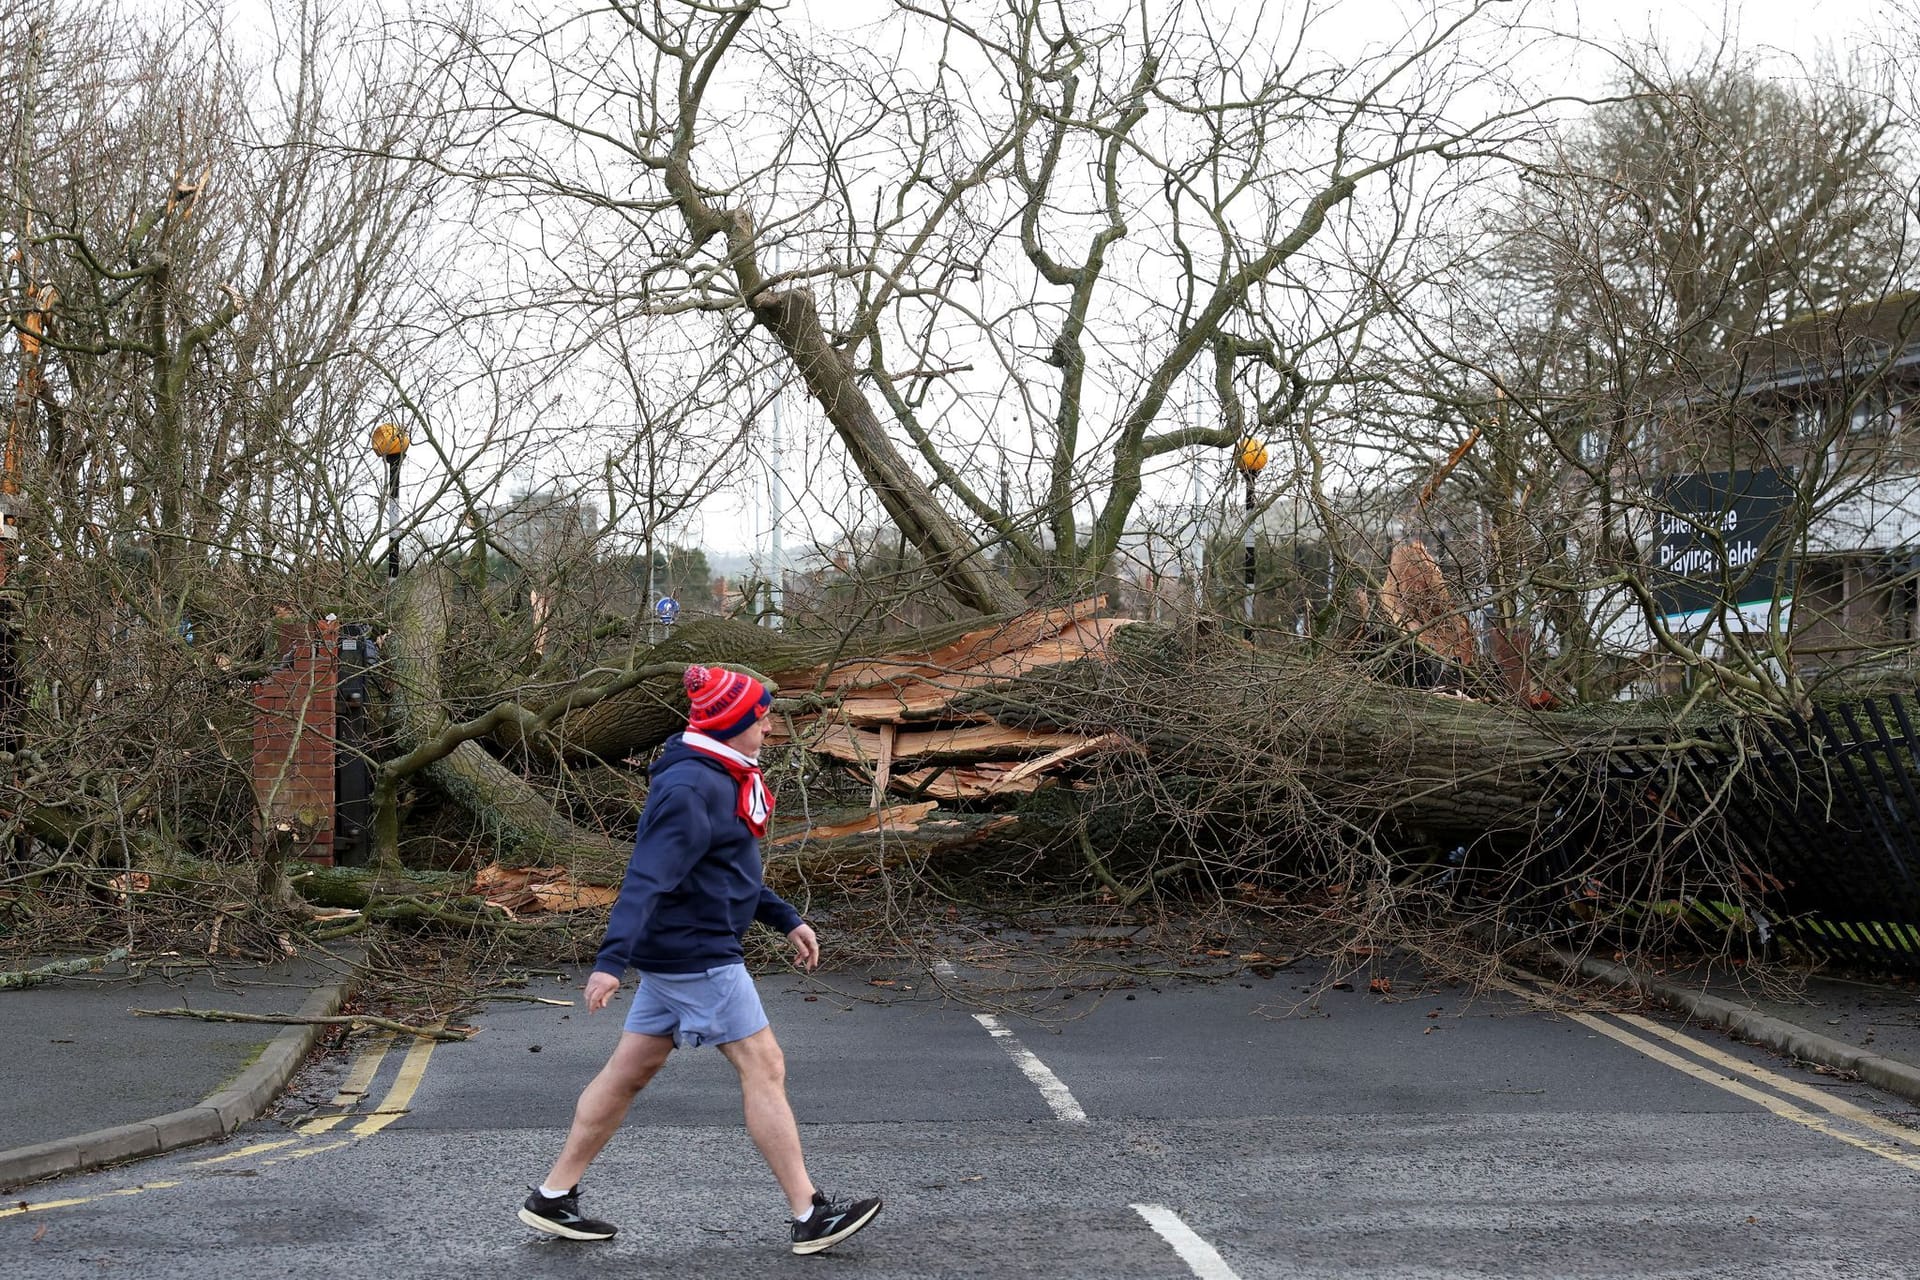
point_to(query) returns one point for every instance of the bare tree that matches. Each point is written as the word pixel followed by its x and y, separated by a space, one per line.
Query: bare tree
pixel 201 248
pixel 1614 330
pixel 1068 245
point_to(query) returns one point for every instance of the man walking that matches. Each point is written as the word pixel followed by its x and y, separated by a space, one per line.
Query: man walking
pixel 690 894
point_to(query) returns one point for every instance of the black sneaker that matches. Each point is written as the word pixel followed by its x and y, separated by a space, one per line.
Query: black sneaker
pixel 560 1216
pixel 832 1221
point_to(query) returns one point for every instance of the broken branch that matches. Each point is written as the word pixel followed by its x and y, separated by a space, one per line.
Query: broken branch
pixel 31 977
pixel 302 1020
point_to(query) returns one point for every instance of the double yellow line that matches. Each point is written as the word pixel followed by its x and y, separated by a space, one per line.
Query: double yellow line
pixel 413 1068
pixel 1731 1074
pixel 354 1089
pixel 14 1211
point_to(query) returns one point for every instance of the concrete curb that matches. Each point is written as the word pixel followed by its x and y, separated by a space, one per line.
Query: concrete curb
pixel 1890 1074
pixel 250 1094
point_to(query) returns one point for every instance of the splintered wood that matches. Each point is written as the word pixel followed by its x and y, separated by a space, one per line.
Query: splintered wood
pixel 900 819
pixel 517 891
pixel 896 718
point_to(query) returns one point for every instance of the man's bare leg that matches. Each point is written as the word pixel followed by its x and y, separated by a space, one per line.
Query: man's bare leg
pixel 604 1102
pixel 763 1090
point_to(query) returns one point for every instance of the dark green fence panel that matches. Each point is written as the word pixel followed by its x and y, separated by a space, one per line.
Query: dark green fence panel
pixel 1824 813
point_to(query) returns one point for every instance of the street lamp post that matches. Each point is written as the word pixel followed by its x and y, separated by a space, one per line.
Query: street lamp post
pixel 390 441
pixel 1250 458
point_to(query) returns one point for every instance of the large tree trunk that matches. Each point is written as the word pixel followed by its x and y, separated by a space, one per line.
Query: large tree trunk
pixel 1432 766
pixel 508 808
pixel 1292 730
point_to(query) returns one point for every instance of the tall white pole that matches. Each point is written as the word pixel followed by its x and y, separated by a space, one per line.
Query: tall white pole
pixel 777 496
pixel 1195 500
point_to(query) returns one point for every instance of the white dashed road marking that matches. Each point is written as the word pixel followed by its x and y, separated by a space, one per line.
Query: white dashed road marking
pixel 1049 1084
pixel 1201 1258
pixel 1051 1088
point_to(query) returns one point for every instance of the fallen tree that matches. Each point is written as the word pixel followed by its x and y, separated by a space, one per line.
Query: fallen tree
pixel 1174 737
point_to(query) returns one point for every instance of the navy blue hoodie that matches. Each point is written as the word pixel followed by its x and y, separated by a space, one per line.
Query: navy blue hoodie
pixel 694 886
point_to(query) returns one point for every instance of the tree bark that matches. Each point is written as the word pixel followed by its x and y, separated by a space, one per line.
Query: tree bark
pixel 641 718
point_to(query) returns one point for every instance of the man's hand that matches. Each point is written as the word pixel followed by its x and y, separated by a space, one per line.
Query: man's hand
pixel 806 947
pixel 600 989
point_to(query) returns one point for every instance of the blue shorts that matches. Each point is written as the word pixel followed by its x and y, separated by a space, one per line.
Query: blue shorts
pixel 715 1007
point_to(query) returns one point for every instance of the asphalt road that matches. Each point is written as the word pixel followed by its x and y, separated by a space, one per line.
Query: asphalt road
pixel 1215 1130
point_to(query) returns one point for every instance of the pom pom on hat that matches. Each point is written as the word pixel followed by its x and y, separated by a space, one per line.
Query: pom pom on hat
pixel 724 702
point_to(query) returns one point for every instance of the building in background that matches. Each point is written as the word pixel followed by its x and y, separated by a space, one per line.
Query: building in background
pixel 1782 495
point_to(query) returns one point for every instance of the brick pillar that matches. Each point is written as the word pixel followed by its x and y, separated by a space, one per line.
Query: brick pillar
pixel 293 739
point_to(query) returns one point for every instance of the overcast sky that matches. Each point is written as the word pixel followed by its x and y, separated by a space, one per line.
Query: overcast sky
pixel 1760 25
pixel 1780 24
pixel 1781 32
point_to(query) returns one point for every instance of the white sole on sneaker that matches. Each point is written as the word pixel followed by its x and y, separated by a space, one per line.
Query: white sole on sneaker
pixel 846 1229
pixel 539 1223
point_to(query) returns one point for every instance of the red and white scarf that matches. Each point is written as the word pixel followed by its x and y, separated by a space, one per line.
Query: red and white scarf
pixel 755 805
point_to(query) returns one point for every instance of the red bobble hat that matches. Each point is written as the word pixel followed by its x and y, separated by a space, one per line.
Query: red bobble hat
pixel 724 702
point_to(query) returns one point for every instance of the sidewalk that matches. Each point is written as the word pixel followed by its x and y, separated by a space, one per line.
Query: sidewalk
pixel 88 1082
